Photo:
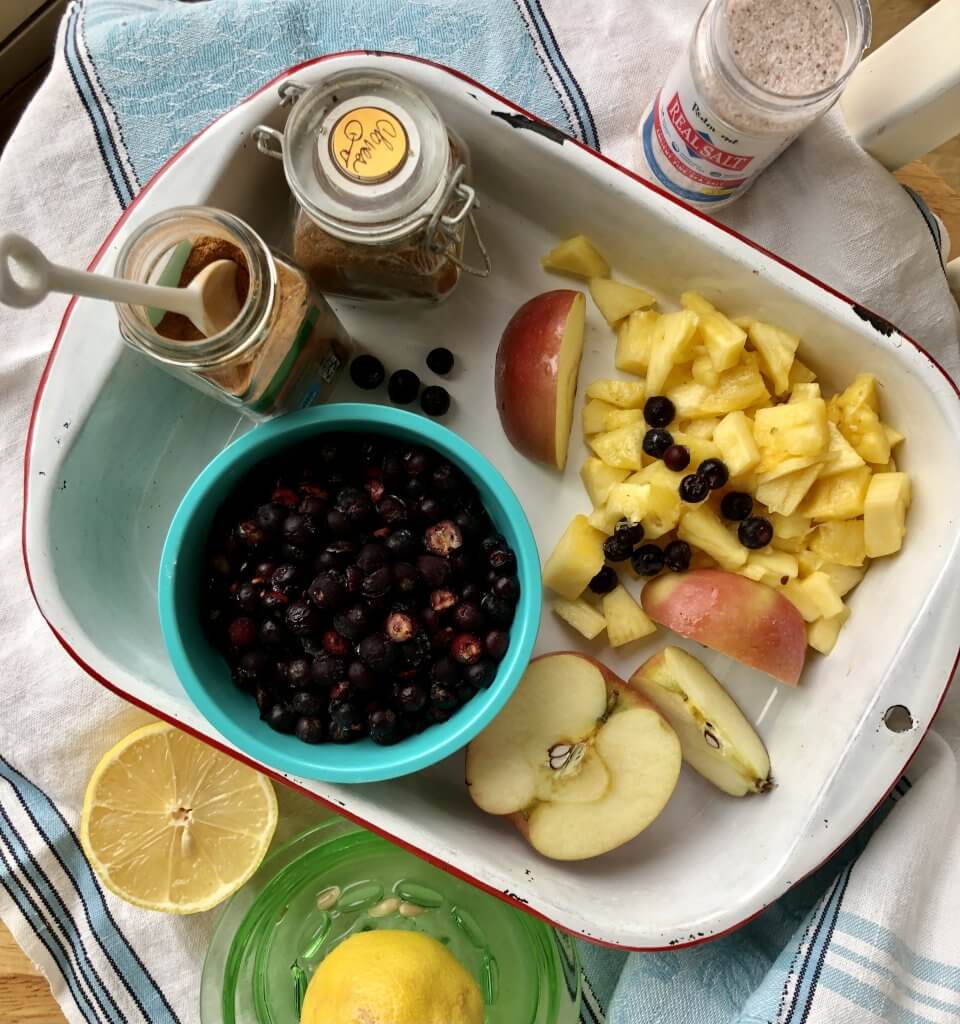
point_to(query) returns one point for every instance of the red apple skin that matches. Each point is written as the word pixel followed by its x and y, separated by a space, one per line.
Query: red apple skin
pixel 743 619
pixel 528 361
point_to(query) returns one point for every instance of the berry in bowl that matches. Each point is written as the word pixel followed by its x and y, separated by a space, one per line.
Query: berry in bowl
pixel 349 593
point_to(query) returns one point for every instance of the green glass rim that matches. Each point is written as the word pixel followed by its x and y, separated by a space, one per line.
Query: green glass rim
pixel 243 931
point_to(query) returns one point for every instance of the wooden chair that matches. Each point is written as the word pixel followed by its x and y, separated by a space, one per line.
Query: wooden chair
pixel 904 98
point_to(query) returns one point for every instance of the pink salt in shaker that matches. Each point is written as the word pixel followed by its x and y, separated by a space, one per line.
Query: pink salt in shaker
pixel 755 74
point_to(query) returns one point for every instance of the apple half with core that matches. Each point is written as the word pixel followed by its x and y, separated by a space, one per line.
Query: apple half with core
pixel 536 374
pixel 716 739
pixel 578 761
pixel 734 615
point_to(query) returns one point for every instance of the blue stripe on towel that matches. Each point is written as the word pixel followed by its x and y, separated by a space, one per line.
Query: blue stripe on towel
pixel 63 842
pixel 878 1003
pixel 882 939
pixel 51 943
pixel 37 879
pixel 892 978
pixel 587 128
pixel 98 119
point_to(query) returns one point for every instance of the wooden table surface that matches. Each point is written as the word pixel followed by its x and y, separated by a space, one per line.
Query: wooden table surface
pixel 24 995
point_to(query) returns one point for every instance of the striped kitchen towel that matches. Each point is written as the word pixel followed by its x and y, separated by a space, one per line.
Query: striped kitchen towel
pixel 871 936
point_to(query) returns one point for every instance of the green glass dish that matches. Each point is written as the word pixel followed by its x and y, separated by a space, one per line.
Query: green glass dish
pixel 336 879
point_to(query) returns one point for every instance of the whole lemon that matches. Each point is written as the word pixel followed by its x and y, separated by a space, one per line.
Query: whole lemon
pixel 391 977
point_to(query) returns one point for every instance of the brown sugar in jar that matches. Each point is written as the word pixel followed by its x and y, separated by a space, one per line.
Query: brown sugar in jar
pixel 283 350
pixel 382 188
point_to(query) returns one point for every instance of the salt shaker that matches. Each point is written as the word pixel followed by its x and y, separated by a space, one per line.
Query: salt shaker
pixel 755 74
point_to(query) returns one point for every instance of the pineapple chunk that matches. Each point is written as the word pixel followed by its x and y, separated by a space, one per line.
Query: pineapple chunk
pixel 775 568
pixel 734 436
pixel 894 437
pixel 808 561
pixel 777 349
pixel 695 302
pixel 702 528
pixel 840 541
pixel 577 256
pixel 673 337
pixel 628 501
pixel 621 417
pixel 859 408
pixel 584 618
pixel 794 429
pixel 598 478
pixel 626 620
pixel 841 455
pixel 792 545
pixel 700 449
pixel 822 634
pixel 634 340
pixel 576 559
pixel 663 511
pixel 723 339
pixel 789 527
pixel 743 322
pixel 595 415
pixel 622 447
pixel 657 473
pixel 785 494
pixel 804 391
pixel 679 377
pixel 603 519
pixel 861 393
pixel 814 597
pixel 833 409
pixel 616 300
pixel 884 513
pixel 701 560
pixel 801 374
pixel 624 394
pixel 843 577
pixel 704 371
pixel 739 388
pixel 838 497
pixel 767 471
pixel 701 428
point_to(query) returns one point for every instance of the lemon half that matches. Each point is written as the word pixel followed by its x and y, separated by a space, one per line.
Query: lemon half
pixel 170 824
pixel 391 977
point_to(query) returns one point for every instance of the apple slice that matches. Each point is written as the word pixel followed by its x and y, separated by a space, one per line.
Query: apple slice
pixel 734 615
pixel 536 374
pixel 579 761
pixel 715 737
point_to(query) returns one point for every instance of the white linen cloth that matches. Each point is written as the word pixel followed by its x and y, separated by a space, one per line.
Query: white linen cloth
pixel 131 81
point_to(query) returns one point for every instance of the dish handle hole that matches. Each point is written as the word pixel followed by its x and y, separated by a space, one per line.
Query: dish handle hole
pixel 897 718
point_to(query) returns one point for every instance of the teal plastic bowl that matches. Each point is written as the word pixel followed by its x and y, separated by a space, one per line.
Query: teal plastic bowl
pixel 205 675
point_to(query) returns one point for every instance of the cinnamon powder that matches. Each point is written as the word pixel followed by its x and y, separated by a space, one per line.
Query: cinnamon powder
pixel 206 250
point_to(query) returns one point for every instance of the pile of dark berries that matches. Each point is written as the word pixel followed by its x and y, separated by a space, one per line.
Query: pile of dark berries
pixel 357 587
pixel 403 387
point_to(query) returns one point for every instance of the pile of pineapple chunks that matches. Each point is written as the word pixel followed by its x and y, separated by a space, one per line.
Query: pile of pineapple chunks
pixel 821 469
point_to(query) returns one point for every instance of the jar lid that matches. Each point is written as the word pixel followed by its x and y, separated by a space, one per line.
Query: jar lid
pixel 366 154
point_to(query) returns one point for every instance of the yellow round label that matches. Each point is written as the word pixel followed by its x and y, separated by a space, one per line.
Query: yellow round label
pixel 368 145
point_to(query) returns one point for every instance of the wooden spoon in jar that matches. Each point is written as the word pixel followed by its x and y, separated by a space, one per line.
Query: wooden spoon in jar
pixel 210 300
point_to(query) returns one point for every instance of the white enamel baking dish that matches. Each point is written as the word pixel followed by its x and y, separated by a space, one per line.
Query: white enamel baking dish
pixel 114 444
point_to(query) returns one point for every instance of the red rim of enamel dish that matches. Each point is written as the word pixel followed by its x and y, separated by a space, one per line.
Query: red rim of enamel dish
pixel 879 323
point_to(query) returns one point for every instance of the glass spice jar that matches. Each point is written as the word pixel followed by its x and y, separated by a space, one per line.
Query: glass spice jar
pixel 755 74
pixel 283 349
pixel 381 186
